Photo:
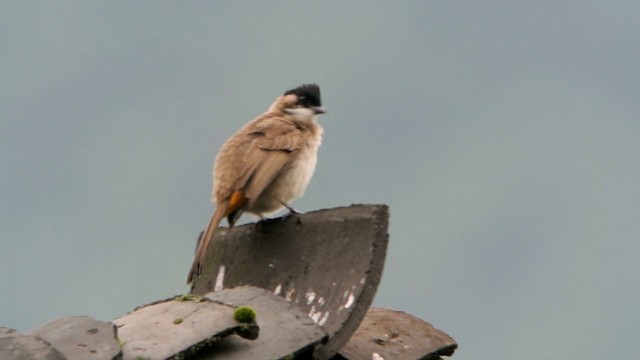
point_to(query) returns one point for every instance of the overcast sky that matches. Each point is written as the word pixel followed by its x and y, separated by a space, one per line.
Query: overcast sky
pixel 504 137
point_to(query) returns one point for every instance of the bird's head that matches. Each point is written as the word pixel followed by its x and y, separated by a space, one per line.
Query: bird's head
pixel 303 102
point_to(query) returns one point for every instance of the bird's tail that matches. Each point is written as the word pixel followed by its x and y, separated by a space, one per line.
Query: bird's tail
pixel 234 207
pixel 203 243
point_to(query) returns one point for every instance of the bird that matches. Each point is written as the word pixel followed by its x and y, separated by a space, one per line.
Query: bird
pixel 266 164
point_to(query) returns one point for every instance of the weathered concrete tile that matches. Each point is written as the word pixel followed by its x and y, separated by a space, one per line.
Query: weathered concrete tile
pixel 17 346
pixel 284 329
pixel 166 328
pixel 81 338
pixel 327 262
pixel 394 335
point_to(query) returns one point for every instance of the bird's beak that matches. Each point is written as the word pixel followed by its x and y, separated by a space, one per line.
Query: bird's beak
pixel 319 110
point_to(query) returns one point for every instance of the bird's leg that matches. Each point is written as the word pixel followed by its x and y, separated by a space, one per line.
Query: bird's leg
pixel 292 211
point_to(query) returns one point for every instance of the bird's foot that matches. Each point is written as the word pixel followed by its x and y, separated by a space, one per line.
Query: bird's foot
pixel 259 226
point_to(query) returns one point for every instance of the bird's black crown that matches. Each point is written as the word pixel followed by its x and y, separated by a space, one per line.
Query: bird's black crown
pixel 308 95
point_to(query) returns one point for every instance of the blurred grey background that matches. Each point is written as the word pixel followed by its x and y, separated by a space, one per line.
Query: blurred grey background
pixel 504 136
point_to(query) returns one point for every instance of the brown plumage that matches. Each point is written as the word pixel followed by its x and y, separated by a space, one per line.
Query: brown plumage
pixel 266 164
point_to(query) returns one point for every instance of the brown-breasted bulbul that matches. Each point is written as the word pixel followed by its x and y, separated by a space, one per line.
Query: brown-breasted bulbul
pixel 266 164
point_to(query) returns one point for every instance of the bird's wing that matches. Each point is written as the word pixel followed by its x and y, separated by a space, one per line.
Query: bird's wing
pixel 274 142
